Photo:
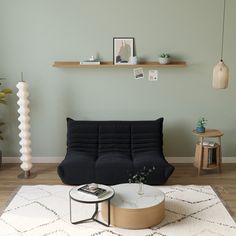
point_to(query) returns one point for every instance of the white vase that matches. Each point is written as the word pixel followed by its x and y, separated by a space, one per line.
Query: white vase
pixel 134 60
pixel 140 188
pixel 164 60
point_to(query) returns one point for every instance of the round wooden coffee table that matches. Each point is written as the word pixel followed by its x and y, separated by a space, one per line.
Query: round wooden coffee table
pixel 130 210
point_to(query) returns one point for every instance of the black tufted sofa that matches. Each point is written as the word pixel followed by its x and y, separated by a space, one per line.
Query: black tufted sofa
pixel 108 151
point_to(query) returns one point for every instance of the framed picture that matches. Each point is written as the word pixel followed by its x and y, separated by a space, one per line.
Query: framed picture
pixel 153 75
pixel 138 73
pixel 123 49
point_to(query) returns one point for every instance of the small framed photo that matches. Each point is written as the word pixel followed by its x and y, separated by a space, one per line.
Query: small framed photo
pixel 138 73
pixel 153 75
pixel 123 50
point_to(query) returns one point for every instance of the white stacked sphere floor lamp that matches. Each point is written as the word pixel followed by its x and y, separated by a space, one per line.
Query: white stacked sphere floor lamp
pixel 25 135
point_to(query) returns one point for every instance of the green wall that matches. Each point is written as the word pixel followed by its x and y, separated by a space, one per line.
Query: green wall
pixel 35 33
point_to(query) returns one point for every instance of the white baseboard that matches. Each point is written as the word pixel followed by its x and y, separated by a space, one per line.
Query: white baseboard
pixel 57 159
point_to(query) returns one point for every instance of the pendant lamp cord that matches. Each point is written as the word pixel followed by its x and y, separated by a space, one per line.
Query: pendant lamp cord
pixel 223 29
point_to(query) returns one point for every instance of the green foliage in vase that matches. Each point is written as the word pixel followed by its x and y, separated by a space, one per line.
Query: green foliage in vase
pixel 165 55
pixel 201 122
pixel 140 176
pixel 3 95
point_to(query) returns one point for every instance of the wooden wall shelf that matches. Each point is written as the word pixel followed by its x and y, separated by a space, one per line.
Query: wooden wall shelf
pixel 109 64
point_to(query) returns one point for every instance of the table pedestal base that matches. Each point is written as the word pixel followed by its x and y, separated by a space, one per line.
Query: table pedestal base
pixel 135 218
pixel 93 218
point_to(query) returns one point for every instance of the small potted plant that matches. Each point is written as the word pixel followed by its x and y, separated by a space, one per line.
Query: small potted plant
pixel 164 58
pixel 140 177
pixel 200 127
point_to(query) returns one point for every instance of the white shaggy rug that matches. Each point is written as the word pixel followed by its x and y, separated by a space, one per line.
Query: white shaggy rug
pixel 43 210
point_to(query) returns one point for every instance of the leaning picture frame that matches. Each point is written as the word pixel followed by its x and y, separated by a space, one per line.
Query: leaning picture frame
pixel 123 50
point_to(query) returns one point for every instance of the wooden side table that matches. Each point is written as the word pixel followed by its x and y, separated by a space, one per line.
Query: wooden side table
pixel 208 156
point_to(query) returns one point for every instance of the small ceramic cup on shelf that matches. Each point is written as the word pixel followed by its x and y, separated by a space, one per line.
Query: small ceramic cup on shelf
pixel 134 60
pixel 164 60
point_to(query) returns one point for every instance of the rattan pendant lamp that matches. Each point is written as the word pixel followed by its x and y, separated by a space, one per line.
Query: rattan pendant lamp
pixel 221 71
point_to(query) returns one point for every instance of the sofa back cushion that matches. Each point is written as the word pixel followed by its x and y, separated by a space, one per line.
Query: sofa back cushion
pixel 123 139
pixel 82 136
pixel 147 136
pixel 114 138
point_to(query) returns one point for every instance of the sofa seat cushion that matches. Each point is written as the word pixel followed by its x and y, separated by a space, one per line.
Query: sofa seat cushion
pixel 114 137
pixel 77 167
pixel 162 168
pixel 113 168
